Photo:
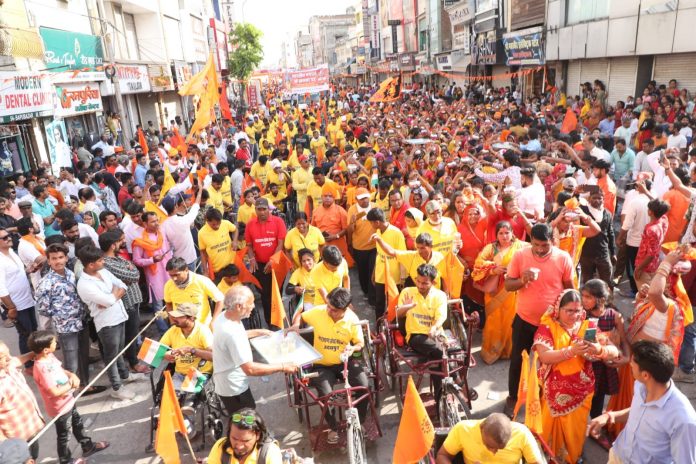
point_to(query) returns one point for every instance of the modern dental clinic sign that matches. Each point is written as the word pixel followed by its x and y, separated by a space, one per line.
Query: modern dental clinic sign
pixel 24 95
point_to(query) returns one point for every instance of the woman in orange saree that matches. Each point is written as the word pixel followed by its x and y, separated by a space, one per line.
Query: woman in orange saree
pixel 570 236
pixel 662 310
pixel 566 375
pixel 473 231
pixel 489 272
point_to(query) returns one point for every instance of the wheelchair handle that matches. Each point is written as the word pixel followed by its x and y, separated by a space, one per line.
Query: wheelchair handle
pixel 306 330
pixel 310 375
pixel 455 301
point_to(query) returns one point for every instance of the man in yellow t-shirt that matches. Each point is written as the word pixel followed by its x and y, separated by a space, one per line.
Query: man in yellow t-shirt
pixel 424 308
pixel 190 341
pixel 275 197
pixel 337 335
pixel 493 439
pixel 317 143
pixel 247 210
pixel 443 230
pixel 259 170
pixel 330 273
pixel 303 235
pixel 359 234
pixel 423 254
pixel 395 238
pixel 185 286
pixel 219 194
pixel 217 241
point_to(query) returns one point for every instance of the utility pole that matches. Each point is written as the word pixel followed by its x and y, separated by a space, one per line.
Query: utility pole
pixel 126 128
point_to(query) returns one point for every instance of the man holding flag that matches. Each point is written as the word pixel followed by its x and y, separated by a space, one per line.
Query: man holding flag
pixel 336 332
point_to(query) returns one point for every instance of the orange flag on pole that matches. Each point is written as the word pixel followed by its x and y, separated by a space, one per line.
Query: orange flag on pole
pixel 142 141
pixel 454 276
pixel 277 307
pixel 532 411
pixel 281 265
pixel 244 275
pixel 416 433
pixel 391 292
pixel 522 387
pixel 570 122
pixel 170 421
pixel 224 103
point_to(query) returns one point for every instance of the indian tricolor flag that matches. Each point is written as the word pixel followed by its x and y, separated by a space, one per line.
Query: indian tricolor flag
pixel 193 382
pixel 152 352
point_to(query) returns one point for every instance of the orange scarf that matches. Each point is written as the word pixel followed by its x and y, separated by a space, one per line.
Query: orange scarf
pixel 37 242
pixel 150 247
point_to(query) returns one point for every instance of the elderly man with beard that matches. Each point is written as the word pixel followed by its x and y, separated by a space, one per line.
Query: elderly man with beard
pixel 538 274
pixel 186 286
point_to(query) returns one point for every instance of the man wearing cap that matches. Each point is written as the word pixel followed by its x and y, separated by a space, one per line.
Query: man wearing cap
pixel 177 228
pixel 301 178
pixel 191 343
pixel 362 248
pixel 264 235
pixel 25 209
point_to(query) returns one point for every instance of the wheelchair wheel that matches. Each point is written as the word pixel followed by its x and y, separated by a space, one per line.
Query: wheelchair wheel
pixel 370 357
pixel 452 407
pixel 459 331
pixel 356 444
pixel 385 351
pixel 297 399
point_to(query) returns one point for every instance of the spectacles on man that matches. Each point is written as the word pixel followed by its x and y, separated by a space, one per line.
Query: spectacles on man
pixel 6 237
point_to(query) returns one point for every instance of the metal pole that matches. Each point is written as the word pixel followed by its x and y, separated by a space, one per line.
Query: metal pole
pixel 126 128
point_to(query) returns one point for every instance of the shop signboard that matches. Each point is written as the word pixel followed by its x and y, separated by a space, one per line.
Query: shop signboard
pixel 24 95
pixel 132 78
pixel 484 49
pixel 407 62
pixel 524 48
pixel 77 98
pixel 160 77
pixel 72 51
pixel 182 73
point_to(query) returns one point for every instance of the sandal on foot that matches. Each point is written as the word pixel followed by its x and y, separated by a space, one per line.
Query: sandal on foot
pixel 96 447
pixel 332 437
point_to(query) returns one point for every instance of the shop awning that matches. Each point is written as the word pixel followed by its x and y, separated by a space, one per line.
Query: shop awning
pixel 21 43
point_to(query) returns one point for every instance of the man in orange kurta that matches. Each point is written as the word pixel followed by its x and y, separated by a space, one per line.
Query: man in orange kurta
pixel 332 220
pixel 600 170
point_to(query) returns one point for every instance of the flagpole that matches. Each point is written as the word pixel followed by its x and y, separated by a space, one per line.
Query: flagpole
pixel 188 442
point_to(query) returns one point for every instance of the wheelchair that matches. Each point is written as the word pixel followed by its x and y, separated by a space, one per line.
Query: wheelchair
pixel 301 396
pixel 208 412
pixel 400 361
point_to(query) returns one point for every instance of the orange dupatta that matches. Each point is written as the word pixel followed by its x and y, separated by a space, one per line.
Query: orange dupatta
pixel 37 242
pixel 150 247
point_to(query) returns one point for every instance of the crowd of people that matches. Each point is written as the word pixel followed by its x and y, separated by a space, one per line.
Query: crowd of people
pixel 548 204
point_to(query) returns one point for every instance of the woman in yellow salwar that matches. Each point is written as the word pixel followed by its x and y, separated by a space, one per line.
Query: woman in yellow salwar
pixel 489 274
pixel 662 311
pixel 566 374
pixel 570 229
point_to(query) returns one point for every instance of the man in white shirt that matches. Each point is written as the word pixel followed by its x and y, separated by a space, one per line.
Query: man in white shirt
pixel 624 131
pixel 661 183
pixel 589 145
pixel 177 228
pixel 15 292
pixel 635 214
pixel 102 293
pixel 532 194
pixel 676 139
pixel 232 352
pixel 220 149
pixel 69 186
pixel 132 223
pixel 641 163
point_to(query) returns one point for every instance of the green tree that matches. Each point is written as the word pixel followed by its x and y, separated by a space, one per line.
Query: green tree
pixel 245 41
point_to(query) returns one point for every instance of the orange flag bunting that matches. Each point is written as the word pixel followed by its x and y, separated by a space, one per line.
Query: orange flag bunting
pixel 391 291
pixel 170 421
pixel 454 276
pixel 416 432
pixel 532 412
pixel 522 387
pixel 277 307
pixel 244 275
pixel 142 141
pixel 570 122
pixel 281 265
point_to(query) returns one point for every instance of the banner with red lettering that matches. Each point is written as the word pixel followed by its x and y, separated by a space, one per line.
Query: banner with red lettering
pixel 309 80
pixel 75 99
pixel 25 95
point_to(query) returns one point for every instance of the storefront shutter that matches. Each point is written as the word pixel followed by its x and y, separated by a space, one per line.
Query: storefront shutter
pixel 680 66
pixel 622 78
pixel 572 86
pixel 594 69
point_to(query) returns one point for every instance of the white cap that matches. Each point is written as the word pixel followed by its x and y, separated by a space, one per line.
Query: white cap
pixel 275 164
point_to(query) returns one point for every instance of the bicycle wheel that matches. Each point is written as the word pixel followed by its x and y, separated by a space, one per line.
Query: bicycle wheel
pixel 387 366
pixel 459 331
pixel 452 407
pixel 356 442
pixel 370 359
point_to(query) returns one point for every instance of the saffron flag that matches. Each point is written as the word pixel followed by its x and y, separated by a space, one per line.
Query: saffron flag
pixel 244 275
pixel 193 382
pixel 454 276
pixel 522 387
pixel 178 142
pixel 196 85
pixel 391 292
pixel 416 433
pixel 142 141
pixel 277 308
pixel 166 185
pixel 281 265
pixel 570 122
pixel 224 103
pixel 208 94
pixel 152 352
pixel 389 90
pixel 170 421
pixel 532 411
